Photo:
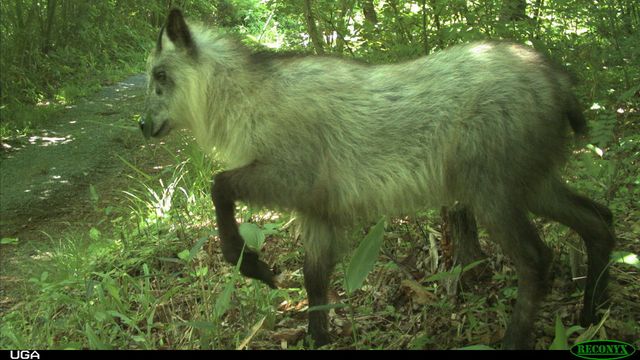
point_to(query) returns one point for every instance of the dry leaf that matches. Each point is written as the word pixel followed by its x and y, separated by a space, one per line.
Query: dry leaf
pixel 419 294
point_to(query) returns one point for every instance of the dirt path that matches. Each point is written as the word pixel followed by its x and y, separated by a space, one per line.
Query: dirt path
pixel 45 178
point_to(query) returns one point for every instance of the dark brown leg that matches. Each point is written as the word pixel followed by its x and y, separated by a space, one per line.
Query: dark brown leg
pixel 462 229
pixel 319 238
pixel 593 222
pixel 224 194
pixel 520 241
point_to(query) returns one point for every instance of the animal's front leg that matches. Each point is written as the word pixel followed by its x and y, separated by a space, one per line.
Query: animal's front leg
pixel 224 192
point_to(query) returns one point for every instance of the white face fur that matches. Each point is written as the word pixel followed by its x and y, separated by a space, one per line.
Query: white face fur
pixel 175 49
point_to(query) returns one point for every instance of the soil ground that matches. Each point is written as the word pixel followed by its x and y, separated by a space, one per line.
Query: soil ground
pixel 45 177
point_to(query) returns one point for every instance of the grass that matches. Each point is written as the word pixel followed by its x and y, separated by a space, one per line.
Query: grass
pixel 141 283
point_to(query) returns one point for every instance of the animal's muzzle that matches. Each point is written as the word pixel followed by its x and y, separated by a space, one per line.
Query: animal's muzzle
pixel 146 127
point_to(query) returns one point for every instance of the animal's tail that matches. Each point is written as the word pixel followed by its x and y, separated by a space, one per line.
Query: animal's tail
pixel 576 118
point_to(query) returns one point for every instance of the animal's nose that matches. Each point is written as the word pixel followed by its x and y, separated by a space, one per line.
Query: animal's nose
pixel 145 127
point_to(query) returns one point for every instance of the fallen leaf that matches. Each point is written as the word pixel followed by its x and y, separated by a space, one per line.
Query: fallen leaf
pixel 418 293
pixel 290 336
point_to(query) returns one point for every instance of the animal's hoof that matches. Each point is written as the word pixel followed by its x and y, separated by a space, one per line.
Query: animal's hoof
pixel 317 340
pixel 257 269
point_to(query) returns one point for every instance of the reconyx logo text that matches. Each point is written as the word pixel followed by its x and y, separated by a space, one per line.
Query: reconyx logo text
pixel 603 349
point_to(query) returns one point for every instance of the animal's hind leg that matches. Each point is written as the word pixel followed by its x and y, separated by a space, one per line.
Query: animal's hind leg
pixel 593 222
pixel 319 238
pixel 519 239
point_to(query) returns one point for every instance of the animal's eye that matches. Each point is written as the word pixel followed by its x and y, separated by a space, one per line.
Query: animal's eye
pixel 160 76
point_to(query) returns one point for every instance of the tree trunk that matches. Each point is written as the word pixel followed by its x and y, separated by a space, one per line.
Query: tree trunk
pixel 370 21
pixel 464 11
pixel 46 36
pixel 536 16
pixel 341 25
pixel 406 36
pixel 369 12
pixel 24 35
pixel 316 39
pixel 513 10
pixel 19 17
pixel 436 20
pixel 425 38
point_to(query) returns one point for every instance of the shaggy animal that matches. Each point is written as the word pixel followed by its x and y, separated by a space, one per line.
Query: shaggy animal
pixel 341 142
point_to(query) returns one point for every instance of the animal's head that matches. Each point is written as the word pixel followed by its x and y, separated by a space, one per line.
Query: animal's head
pixel 200 79
pixel 186 72
pixel 173 79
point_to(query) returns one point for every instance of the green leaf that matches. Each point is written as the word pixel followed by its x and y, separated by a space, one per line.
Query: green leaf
pixel 625 257
pixel 202 271
pixel 145 270
pixel 224 299
pixel 139 339
pixel 630 93
pixel 100 316
pixel 113 291
pixel 252 235
pixel 473 264
pixel 206 325
pixel 453 273
pixel 94 234
pixel 127 320
pixel 7 241
pixel 171 260
pixel 94 342
pixel 184 255
pixel 560 341
pixel 197 246
pixel 93 194
pixel 271 228
pixel 365 257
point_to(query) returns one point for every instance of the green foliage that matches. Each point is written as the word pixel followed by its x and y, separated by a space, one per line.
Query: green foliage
pixel 45 43
pixel 626 257
pixel 252 235
pixel 364 257
pixel 561 339
pixel 140 284
pixel 7 241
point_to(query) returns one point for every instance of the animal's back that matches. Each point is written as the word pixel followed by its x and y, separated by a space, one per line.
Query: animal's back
pixel 453 124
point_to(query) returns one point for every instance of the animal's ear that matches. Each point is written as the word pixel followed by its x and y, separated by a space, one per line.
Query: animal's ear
pixel 178 31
